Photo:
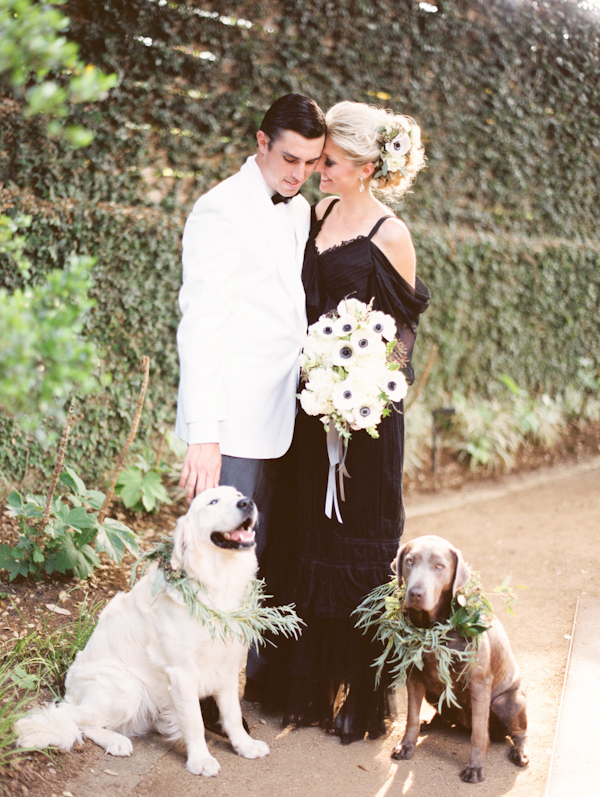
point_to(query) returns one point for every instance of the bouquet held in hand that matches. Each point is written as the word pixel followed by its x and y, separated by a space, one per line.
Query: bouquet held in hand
pixel 351 367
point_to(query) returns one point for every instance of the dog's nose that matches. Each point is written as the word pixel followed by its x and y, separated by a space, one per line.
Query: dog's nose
pixel 244 503
pixel 416 594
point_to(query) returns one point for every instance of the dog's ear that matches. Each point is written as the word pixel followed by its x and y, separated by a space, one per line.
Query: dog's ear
pixel 396 563
pixel 179 543
pixel 461 573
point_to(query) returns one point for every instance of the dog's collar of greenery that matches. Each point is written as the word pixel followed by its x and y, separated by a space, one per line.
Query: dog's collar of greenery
pixel 249 624
pixel 405 645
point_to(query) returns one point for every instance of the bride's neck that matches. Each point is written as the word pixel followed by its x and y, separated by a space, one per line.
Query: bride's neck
pixel 356 205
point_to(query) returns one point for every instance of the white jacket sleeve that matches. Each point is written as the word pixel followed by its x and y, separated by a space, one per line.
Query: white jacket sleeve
pixel 212 256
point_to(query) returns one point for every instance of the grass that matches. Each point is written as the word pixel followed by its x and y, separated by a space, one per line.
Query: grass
pixel 38 661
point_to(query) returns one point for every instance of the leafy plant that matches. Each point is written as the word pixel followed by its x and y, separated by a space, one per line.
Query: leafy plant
pixel 44 356
pixel 12 703
pixel 140 486
pixel 539 419
pixel 31 49
pixel 64 536
pixel 588 374
pixel 489 433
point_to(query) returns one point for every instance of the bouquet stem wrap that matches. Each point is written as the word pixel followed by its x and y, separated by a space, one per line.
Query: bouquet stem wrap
pixel 337 448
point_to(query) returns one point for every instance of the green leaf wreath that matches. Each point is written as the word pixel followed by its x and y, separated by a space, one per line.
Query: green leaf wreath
pixel 249 624
pixel 405 645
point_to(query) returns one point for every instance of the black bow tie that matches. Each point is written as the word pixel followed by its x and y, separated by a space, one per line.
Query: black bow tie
pixel 277 198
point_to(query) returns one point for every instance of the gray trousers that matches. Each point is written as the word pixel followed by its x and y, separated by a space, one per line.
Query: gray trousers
pixel 256 479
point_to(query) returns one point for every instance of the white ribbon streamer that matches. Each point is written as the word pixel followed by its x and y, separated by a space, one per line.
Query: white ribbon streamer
pixel 336 450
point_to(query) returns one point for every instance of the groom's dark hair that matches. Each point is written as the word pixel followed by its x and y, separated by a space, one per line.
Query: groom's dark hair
pixel 294 112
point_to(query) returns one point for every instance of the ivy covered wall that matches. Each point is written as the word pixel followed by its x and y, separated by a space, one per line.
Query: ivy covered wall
pixel 504 218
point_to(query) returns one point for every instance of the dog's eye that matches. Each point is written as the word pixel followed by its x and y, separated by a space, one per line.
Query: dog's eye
pixel 214 501
pixel 440 566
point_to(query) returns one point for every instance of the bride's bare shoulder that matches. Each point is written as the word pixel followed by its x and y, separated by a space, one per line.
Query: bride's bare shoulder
pixel 322 205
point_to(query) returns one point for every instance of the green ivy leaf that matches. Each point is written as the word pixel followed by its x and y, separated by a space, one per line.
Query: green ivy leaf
pixel 114 538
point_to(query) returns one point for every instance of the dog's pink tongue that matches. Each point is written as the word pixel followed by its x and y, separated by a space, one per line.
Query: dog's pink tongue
pixel 241 535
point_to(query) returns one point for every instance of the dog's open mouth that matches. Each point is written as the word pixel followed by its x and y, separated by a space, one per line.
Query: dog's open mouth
pixel 237 539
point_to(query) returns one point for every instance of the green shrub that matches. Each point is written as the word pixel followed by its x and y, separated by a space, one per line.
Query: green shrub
pixel 65 537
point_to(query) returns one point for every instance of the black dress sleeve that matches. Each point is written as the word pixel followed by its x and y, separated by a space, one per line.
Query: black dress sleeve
pixel 393 295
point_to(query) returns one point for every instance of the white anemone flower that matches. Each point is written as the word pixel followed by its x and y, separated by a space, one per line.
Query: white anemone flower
pixel 365 341
pixel 395 385
pixel 346 396
pixel 399 145
pixel 367 415
pixel 352 307
pixel 343 354
pixel 323 328
pixel 344 325
pixel 383 324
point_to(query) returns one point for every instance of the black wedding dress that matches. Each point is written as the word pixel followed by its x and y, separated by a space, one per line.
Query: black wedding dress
pixel 325 567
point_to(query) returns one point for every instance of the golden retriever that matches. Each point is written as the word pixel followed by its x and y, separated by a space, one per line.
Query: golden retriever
pixel 149 660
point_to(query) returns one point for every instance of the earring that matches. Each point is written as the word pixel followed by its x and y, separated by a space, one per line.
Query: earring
pixel 362 185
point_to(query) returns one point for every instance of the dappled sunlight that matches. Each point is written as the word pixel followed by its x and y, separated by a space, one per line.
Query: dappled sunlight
pixel 384 790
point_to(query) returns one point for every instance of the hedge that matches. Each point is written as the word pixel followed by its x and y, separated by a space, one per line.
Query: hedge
pixel 504 218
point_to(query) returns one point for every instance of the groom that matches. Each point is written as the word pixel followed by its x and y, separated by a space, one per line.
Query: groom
pixel 243 309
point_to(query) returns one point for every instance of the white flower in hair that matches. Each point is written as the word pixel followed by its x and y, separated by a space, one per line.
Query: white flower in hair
pixel 395 164
pixel 399 145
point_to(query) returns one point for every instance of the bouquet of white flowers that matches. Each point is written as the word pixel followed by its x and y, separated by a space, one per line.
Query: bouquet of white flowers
pixel 350 365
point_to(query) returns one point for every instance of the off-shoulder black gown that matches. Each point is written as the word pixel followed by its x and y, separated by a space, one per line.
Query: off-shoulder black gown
pixel 325 567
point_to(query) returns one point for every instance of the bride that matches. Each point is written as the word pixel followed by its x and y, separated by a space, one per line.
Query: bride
pixel 357 248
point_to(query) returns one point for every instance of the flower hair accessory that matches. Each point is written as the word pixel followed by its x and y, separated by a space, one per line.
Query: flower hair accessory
pixel 394 146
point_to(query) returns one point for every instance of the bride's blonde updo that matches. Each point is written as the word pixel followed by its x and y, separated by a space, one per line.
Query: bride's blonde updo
pixel 368 134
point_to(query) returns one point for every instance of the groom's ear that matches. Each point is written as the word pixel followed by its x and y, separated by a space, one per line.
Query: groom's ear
pixel 263 141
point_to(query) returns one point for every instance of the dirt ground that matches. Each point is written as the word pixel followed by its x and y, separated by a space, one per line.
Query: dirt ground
pixel 540 527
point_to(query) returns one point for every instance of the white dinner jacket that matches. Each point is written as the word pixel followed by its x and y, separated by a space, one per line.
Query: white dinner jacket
pixel 244 317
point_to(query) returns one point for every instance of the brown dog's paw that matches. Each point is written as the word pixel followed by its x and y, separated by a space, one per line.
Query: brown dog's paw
pixel 403 752
pixel 519 756
pixel 472 774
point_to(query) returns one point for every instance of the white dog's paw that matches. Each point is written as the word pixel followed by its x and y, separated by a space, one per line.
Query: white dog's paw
pixel 252 748
pixel 120 747
pixel 207 766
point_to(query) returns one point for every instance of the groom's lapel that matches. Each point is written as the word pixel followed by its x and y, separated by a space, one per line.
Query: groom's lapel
pixel 264 217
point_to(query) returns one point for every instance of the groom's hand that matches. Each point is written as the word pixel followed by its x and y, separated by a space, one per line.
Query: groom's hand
pixel 201 468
